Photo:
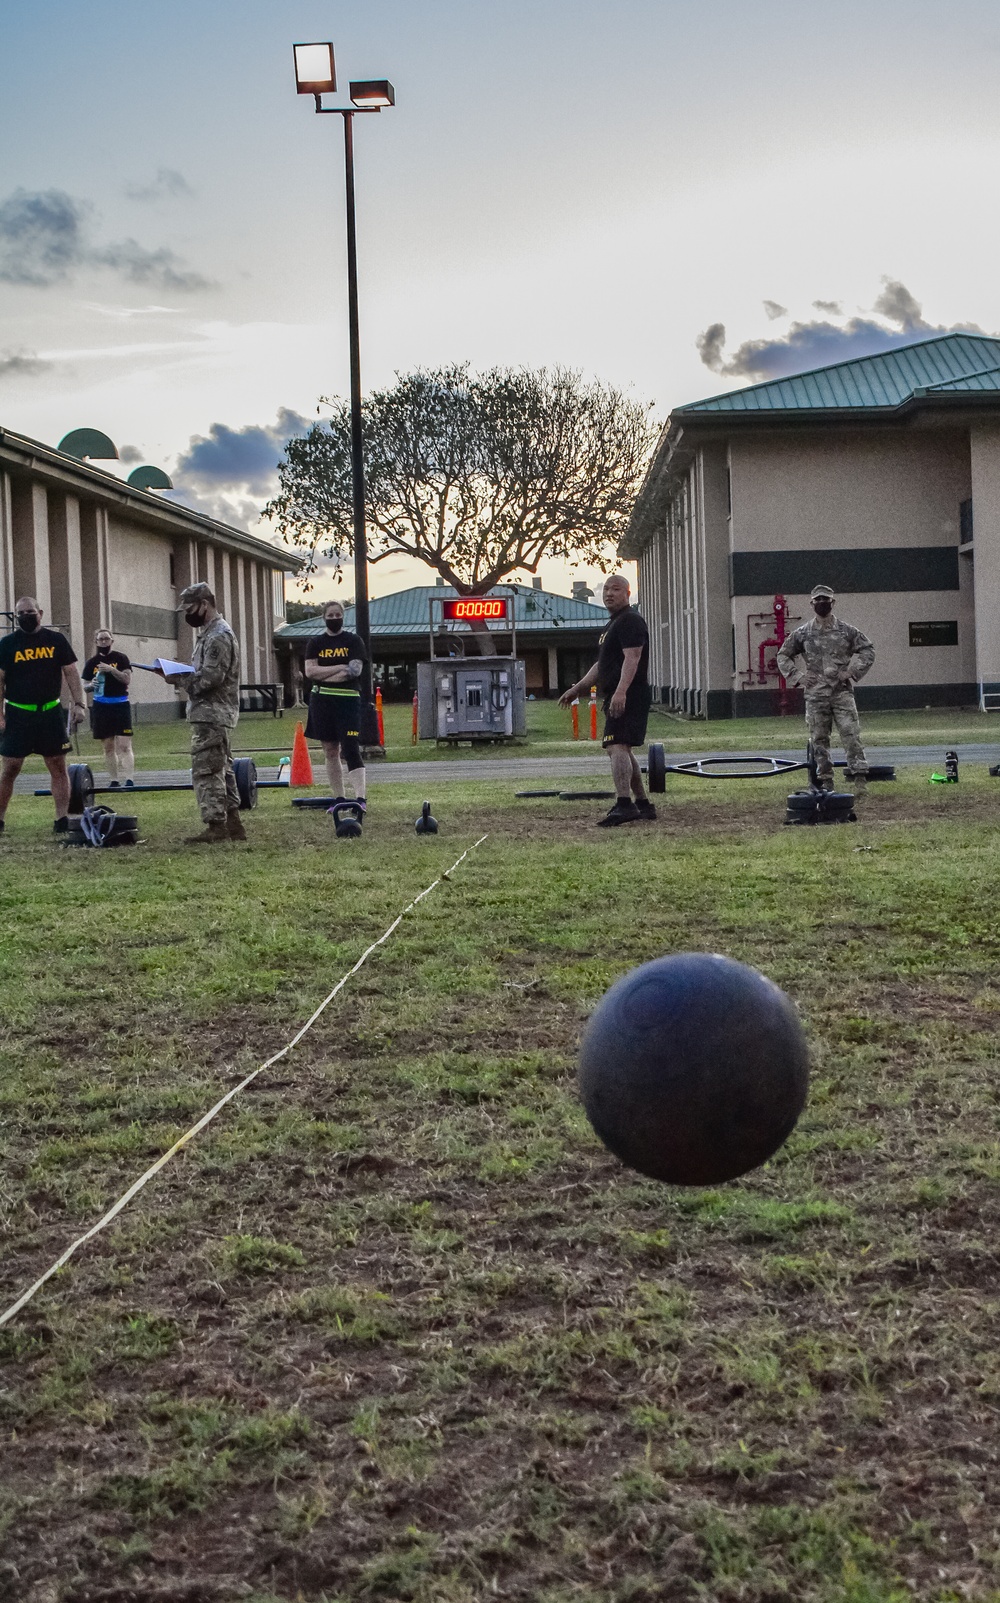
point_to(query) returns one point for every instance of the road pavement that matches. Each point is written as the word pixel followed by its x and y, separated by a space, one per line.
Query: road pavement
pixel 539 768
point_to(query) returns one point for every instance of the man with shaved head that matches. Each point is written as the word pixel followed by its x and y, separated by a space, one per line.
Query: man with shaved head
pixel 621 676
pixel 35 663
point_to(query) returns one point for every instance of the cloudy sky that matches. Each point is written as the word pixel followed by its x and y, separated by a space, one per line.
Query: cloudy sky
pixel 676 198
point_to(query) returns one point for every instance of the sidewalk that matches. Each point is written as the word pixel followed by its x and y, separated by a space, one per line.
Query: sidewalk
pixel 535 770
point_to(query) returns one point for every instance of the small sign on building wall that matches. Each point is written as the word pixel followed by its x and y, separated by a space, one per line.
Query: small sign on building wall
pixel 936 632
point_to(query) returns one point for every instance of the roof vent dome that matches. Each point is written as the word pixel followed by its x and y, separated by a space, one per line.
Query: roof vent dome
pixel 149 478
pixel 87 444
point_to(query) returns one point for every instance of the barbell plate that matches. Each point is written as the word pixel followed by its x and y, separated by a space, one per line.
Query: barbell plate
pixel 656 767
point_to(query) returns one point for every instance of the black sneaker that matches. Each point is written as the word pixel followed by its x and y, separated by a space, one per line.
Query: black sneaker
pixel 60 826
pixel 646 809
pixel 114 785
pixel 130 784
pixel 623 812
pixel 3 822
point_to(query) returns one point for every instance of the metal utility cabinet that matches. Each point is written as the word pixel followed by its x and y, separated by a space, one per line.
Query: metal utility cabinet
pixel 470 698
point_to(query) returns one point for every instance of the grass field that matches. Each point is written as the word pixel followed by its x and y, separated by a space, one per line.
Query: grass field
pixel 396 1327
pixel 549 732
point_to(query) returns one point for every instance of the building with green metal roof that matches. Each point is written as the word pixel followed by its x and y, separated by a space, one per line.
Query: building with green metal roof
pixel 879 476
pixel 556 637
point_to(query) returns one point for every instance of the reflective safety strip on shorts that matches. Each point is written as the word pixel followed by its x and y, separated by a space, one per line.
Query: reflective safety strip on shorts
pixel 41 706
pixel 331 692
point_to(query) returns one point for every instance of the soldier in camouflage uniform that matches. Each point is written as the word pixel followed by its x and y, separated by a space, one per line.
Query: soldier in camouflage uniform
pixel 213 709
pixel 832 657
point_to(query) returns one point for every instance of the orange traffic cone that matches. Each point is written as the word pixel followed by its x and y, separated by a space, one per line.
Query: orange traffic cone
pixel 302 768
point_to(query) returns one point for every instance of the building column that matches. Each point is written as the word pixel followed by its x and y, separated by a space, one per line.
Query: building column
pixel 94 569
pixel 265 610
pixel 224 595
pixel 208 566
pixel 185 572
pixel 66 557
pixel 30 505
pixel 7 596
pixel 985 455
pixel 554 669
pixel 253 630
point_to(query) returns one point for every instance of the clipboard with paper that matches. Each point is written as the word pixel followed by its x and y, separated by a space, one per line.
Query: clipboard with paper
pixel 165 666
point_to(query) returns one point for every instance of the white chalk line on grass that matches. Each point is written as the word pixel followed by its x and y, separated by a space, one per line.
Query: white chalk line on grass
pixel 207 1118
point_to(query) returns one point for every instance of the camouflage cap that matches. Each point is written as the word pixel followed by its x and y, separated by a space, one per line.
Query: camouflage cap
pixel 195 592
pixel 821 590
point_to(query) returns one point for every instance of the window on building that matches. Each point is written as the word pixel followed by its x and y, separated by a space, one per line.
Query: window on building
pixel 278 592
pixel 965 521
pixel 173 571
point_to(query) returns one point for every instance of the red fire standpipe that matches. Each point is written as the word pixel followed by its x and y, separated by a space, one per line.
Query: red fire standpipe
pixel 780 615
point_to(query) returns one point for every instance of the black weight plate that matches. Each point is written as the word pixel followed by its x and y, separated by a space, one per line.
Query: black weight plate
pixel 530 795
pixel 313 803
pixel 881 771
pixel 827 801
pixel 587 795
pixel 245 773
pixel 656 767
pixel 81 787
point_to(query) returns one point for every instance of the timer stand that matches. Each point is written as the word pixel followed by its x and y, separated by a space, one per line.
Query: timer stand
pixel 464 696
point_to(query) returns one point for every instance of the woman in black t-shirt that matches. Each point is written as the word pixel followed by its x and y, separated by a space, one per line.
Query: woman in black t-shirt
pixel 108 673
pixel 333 662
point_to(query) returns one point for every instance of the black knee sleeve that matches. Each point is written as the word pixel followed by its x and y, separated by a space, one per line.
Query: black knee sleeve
pixel 350 752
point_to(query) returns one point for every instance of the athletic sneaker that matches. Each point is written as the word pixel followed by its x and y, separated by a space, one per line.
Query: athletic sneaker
pixel 60 826
pixel 114 785
pixel 3 824
pixel 623 812
pixel 646 809
pixel 130 784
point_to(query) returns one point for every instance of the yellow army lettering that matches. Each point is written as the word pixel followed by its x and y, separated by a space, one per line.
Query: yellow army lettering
pixel 34 653
pixel 333 651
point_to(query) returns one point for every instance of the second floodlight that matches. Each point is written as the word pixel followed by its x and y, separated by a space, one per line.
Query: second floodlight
pixel 373 94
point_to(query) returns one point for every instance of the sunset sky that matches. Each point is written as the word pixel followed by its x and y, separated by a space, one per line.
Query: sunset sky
pixel 676 198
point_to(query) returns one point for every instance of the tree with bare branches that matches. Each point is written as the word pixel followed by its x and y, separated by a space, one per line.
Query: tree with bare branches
pixel 477 476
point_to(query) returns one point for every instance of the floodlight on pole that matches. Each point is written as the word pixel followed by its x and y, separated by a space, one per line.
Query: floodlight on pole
pixel 315 75
pixel 372 94
pixel 315 72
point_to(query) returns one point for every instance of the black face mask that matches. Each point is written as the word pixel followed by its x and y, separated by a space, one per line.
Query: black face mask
pixel 103 653
pixel 334 625
pixel 193 617
pixel 28 621
pixel 822 609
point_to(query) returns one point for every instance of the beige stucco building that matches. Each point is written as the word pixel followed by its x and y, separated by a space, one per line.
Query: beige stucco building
pixel 98 553
pixel 880 477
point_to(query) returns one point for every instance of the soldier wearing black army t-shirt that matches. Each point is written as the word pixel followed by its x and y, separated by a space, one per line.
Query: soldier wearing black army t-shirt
pixel 334 661
pixel 621 675
pixel 34 664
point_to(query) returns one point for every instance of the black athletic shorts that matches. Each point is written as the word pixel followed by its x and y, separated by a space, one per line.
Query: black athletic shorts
pixel 334 718
pixel 630 728
pixel 34 734
pixel 109 718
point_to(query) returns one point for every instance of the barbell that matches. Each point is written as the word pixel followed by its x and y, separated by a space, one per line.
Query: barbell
pixel 82 789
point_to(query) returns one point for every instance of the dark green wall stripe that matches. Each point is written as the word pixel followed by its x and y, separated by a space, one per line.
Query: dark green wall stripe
pixel 150 623
pixel 915 567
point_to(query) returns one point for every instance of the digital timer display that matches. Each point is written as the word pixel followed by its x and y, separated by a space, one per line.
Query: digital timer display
pixel 487 607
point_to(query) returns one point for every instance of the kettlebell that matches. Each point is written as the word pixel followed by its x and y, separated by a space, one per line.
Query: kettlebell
pixel 347 819
pixel 426 824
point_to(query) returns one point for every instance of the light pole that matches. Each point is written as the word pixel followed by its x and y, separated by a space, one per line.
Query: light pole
pixel 315 74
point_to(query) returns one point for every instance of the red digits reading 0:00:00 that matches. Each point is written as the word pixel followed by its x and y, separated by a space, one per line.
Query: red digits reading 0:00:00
pixel 476 609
